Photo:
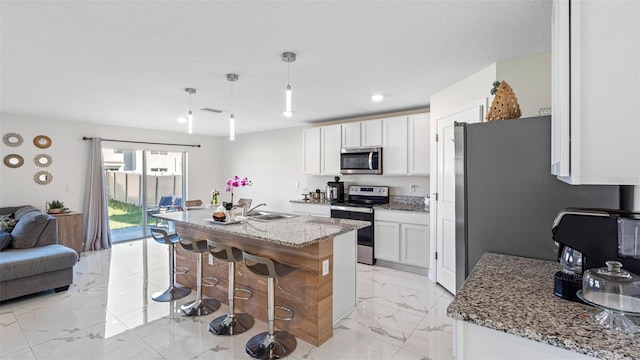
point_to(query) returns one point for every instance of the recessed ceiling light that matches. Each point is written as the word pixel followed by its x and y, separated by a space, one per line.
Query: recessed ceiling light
pixel 377 97
pixel 181 120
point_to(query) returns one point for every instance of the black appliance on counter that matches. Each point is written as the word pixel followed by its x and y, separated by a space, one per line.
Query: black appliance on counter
pixel 335 190
pixel 598 235
pixel 359 206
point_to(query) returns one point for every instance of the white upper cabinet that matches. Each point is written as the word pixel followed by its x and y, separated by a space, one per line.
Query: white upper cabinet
pixel 419 144
pixel 311 151
pixel 595 92
pixel 405 145
pixel 394 146
pixel 362 134
pixel 330 150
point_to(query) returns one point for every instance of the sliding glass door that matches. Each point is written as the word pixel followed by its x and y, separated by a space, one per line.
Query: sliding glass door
pixel 141 183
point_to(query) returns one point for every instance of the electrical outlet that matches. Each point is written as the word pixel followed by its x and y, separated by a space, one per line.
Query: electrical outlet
pixel 296 185
pixel 413 188
pixel 325 267
pixel 69 189
pixel 210 259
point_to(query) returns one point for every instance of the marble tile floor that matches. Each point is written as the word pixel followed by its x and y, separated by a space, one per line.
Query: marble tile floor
pixel 108 314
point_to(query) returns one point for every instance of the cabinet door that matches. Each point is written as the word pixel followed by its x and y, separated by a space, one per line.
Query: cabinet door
pixel 371 133
pixel 387 241
pixel 394 147
pixel 418 151
pixel 414 245
pixel 311 151
pixel 330 150
pixel 351 135
pixel 600 127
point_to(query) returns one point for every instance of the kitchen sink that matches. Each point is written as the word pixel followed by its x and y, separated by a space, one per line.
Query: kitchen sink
pixel 266 216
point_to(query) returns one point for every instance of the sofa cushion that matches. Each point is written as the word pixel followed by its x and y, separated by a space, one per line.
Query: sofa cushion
pixel 19 263
pixel 5 240
pixel 23 211
pixel 28 229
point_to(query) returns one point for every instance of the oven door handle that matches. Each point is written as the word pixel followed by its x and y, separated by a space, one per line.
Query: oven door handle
pixel 352 209
pixel 371 160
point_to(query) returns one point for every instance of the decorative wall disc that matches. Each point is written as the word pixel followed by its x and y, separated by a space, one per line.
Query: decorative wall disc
pixel 42 141
pixel 42 160
pixel 43 177
pixel 12 139
pixel 13 160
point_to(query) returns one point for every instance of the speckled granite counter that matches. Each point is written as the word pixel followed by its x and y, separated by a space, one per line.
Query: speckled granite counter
pixel 404 203
pixel 299 231
pixel 515 295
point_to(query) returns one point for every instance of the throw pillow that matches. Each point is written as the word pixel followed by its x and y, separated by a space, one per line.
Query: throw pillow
pixel 27 231
pixel 5 240
pixel 7 222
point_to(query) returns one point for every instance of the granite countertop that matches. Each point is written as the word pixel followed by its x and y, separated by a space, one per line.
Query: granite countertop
pixel 298 231
pixel 402 207
pixel 515 295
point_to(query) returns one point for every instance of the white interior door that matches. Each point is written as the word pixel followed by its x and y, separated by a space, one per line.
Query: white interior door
pixel 446 203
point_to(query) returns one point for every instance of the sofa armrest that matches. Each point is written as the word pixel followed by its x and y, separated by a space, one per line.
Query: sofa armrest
pixel 49 235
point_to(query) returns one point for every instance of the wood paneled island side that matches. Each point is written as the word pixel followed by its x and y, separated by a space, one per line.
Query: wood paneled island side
pixel 304 242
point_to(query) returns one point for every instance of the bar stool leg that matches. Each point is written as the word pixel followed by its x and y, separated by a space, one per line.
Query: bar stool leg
pixel 200 306
pixel 175 290
pixel 231 323
pixel 271 344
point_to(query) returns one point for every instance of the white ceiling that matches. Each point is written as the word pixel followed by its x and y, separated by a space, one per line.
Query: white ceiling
pixel 127 63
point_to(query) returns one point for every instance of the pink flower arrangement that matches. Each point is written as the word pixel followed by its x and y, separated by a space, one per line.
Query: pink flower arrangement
pixel 236 181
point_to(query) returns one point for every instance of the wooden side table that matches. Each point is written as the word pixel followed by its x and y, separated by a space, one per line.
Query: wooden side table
pixel 70 230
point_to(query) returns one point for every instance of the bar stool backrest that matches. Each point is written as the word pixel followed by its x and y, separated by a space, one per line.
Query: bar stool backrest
pixel 161 236
pixel 266 267
pixel 225 252
pixel 190 244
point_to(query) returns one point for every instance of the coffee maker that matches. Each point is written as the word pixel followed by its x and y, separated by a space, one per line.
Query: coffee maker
pixel 588 238
pixel 335 190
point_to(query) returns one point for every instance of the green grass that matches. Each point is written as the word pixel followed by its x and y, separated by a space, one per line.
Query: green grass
pixel 123 215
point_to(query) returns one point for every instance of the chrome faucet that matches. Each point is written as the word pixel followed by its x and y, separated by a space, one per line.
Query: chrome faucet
pixel 245 211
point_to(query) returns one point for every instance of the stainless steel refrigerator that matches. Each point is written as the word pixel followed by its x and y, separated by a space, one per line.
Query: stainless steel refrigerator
pixel 506 197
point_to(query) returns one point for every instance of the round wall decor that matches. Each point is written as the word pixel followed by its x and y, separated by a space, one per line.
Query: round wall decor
pixel 43 177
pixel 12 139
pixel 42 141
pixel 42 160
pixel 13 160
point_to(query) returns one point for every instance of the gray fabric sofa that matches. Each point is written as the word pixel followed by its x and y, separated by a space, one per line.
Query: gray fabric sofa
pixel 35 261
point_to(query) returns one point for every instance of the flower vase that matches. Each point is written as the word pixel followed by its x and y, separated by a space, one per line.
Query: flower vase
pixel 231 196
pixel 215 199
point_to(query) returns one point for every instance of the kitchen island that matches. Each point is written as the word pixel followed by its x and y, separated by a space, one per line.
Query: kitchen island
pixel 317 247
pixel 506 309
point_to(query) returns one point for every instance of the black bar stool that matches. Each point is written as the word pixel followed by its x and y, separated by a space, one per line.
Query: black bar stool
pixel 271 344
pixel 232 323
pixel 199 306
pixel 175 290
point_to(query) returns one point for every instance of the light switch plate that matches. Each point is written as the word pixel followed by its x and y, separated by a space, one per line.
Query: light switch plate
pixel 210 259
pixel 325 267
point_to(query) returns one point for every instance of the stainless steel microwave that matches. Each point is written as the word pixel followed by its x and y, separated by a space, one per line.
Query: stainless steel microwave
pixel 361 161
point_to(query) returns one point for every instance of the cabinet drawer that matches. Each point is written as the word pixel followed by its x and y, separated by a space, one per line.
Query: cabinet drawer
pixel 311 209
pixel 405 217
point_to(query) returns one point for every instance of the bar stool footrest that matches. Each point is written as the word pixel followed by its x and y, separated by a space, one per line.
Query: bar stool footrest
pixel 181 270
pixel 210 281
pixel 247 291
pixel 285 309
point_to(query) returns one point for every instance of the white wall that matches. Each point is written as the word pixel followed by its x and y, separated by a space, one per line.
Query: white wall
pixel 530 79
pixel 70 156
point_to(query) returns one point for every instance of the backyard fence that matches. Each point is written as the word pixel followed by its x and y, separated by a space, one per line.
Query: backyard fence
pixel 126 187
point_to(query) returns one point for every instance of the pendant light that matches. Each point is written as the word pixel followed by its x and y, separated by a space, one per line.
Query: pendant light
pixel 288 57
pixel 232 120
pixel 190 91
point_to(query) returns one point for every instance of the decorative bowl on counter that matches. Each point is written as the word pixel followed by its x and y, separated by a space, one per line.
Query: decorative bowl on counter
pixel 615 290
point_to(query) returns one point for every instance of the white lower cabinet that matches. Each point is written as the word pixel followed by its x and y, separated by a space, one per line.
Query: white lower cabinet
pixel 402 237
pixel 387 241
